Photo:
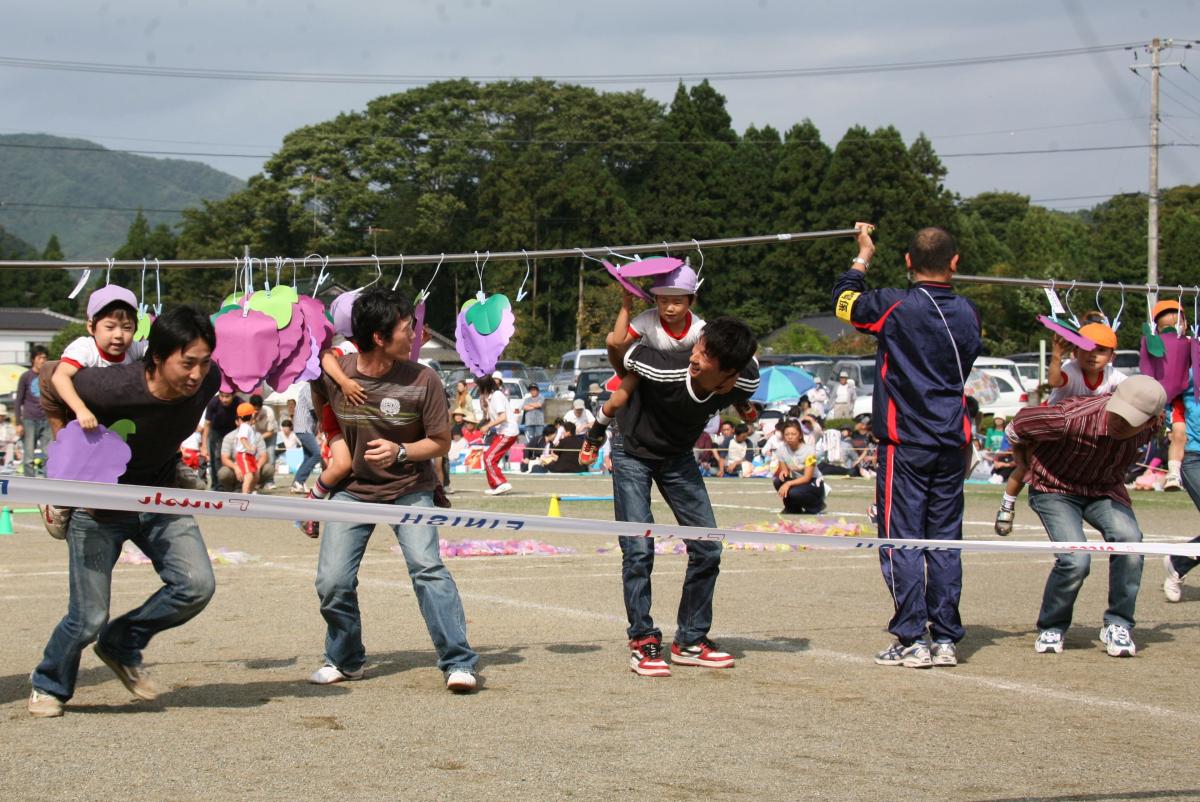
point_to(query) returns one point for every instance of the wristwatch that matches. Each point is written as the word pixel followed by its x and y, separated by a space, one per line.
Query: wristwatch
pixel 858 260
pixel 401 453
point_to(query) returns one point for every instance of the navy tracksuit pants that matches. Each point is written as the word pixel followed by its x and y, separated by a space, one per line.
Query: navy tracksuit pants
pixel 919 493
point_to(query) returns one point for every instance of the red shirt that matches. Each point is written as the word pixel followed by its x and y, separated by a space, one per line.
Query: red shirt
pixel 1071 452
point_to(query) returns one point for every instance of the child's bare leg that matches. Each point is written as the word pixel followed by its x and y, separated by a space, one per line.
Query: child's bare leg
pixel 1178 441
pixel 599 430
pixel 337 470
pixel 1012 489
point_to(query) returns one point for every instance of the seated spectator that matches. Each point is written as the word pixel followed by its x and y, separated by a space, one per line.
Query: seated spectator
pixel 564 456
pixel 864 444
pixel 707 456
pixel 229 475
pixel 737 456
pixel 458 449
pixel 287 437
pixel 838 453
pixel 539 448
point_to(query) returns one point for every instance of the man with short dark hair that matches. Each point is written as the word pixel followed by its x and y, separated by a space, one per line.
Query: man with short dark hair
pixel 220 418
pixel 928 339
pixel 392 438
pixel 676 394
pixel 162 397
pixel 1079 451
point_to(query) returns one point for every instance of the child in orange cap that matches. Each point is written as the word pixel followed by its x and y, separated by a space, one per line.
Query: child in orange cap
pixel 1088 373
pixel 247 461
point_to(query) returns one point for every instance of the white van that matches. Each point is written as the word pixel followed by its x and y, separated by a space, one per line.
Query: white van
pixel 571 364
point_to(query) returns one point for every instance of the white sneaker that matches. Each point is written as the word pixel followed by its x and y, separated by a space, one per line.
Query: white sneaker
pixel 1173 584
pixel 327 675
pixel 298 489
pixel 945 653
pixel 461 680
pixel 1118 641
pixel 499 491
pixel 1172 484
pixel 1048 640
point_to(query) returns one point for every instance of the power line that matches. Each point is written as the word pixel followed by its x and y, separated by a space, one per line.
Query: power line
pixel 580 78
pixel 30 205
pixel 1059 150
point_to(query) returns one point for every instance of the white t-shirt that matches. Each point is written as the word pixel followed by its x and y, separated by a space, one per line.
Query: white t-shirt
pixel 648 328
pixel 818 396
pixel 843 393
pixel 582 419
pixel 796 461
pixel 498 405
pixel 245 431
pixel 84 353
pixel 735 451
pixel 345 347
pixel 1077 385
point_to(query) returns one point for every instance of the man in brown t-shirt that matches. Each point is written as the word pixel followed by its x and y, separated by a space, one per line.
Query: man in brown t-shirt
pixel 392 438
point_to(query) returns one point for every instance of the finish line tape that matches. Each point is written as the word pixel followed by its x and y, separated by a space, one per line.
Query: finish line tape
pixel 173 501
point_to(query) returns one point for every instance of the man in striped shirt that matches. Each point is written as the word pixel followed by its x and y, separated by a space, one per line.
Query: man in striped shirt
pixel 1079 452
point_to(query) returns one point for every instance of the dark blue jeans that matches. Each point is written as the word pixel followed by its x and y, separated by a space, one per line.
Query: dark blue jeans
pixel 175 547
pixel 678 479
pixel 1063 516
pixel 312 455
pixel 1190 473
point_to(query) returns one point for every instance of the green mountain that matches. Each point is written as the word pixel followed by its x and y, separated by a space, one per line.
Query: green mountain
pixel 47 184
pixel 13 247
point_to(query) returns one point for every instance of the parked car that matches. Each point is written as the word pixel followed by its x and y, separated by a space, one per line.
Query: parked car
pixel 541 377
pixel 511 368
pixel 572 363
pixel 1012 393
pixel 994 363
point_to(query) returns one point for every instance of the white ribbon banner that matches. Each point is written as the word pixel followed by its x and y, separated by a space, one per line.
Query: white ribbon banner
pixel 173 501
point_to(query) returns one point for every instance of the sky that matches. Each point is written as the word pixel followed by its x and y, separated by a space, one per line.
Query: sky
pixel 1089 100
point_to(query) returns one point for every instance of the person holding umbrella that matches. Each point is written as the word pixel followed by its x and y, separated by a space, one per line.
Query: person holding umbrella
pixel 782 383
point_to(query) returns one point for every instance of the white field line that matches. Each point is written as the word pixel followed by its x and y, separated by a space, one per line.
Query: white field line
pixel 829 655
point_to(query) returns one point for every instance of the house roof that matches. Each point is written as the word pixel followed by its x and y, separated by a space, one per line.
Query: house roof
pixel 17 319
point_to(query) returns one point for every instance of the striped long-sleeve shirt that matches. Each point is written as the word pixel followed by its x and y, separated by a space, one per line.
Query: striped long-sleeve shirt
pixel 1071 452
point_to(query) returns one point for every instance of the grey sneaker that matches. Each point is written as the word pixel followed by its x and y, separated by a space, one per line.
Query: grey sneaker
pixel 945 653
pixel 1048 640
pixel 915 655
pixel 1173 584
pixel 1117 641
pixel 134 678
pixel 43 705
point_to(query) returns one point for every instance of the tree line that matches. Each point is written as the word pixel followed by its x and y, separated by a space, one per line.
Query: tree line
pixel 460 166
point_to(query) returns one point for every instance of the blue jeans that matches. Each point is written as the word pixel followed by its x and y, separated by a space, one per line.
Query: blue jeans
pixel 312 455
pixel 678 479
pixel 175 547
pixel 37 433
pixel 1063 516
pixel 1190 473
pixel 342 547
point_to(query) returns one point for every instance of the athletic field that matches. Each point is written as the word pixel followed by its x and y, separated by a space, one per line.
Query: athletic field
pixel 804 715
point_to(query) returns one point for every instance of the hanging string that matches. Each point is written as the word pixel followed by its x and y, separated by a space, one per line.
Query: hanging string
pixel 157 289
pixel 521 289
pixel 423 295
pixel 396 283
pixel 699 270
pixel 1067 304
pixel 79 285
pixel 1100 308
pixel 142 294
pixel 479 270
pixel 1116 324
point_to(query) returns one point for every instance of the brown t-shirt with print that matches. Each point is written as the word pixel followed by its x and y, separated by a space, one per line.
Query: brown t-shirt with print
pixel 404 405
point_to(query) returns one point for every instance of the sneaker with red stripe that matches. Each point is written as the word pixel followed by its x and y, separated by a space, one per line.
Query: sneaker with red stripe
pixel 646 657
pixel 702 653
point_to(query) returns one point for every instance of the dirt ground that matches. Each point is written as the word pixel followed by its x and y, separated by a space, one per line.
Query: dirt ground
pixel 804 715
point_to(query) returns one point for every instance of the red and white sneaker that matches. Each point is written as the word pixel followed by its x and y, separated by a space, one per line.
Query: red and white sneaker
pixel 702 653
pixel 56 519
pixel 646 657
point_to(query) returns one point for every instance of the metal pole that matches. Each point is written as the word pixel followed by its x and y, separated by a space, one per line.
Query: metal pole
pixel 1152 224
pixel 599 252
pixel 1079 285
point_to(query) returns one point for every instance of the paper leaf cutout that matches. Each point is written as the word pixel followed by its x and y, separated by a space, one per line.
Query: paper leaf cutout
pixel 1151 341
pixel 487 316
pixel 1064 330
pixel 98 455
pixel 312 368
pixel 275 304
pixel 123 427
pixel 143 326
pixel 225 310
pixel 480 351
pixel 418 331
pixel 624 282
pixel 247 348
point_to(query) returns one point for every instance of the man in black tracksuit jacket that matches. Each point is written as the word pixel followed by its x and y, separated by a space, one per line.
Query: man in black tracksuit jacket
pixel 928 339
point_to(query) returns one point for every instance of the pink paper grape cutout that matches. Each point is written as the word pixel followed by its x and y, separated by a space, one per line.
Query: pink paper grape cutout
pixel 625 283
pixel 418 331
pixel 98 455
pixel 480 351
pixel 1073 337
pixel 247 347
pixel 650 267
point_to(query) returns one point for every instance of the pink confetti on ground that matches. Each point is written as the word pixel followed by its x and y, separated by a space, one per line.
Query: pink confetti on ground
pixel 132 555
pixel 808 526
pixel 496 548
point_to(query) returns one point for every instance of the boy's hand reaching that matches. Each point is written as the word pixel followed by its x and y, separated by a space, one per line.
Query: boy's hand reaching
pixel 354 392
pixel 87 420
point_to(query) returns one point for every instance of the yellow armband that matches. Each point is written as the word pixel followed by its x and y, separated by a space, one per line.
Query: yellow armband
pixel 845 304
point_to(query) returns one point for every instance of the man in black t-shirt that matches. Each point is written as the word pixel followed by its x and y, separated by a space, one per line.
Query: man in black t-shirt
pixel 677 393
pixel 159 400
pixel 220 418
pixel 566 453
